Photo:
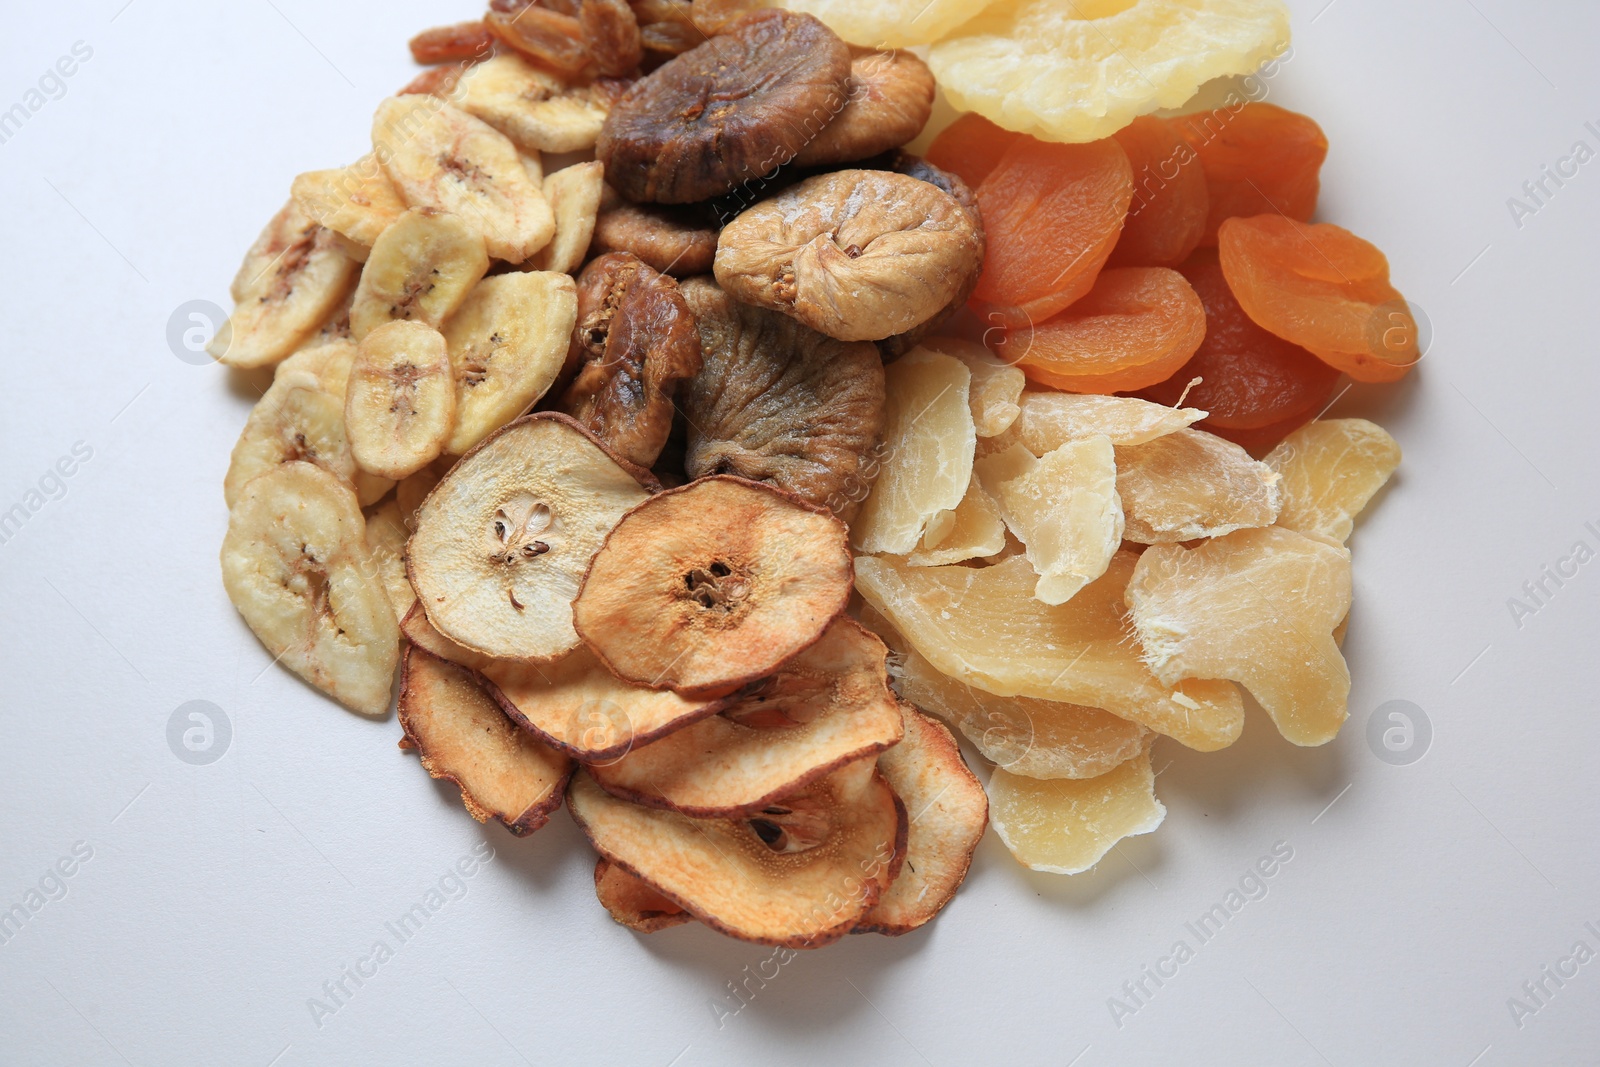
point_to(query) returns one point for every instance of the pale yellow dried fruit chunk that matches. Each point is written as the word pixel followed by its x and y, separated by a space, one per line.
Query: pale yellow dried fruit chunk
pixel 574 196
pixel 410 492
pixel 420 270
pixel 1330 470
pixel 1063 826
pixel 507 344
pixel 295 565
pixel 985 627
pixel 358 202
pixel 444 159
pixel 296 419
pixel 1047 420
pixel 928 442
pixel 890 23
pixel 1073 70
pixel 401 400
pixel 1063 507
pixel 535 109
pixel 972 530
pixel 1191 484
pixel 1258 607
pixel 329 362
pixel 386 536
pixel 996 386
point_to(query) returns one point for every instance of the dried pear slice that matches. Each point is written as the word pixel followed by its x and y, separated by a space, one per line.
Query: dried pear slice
pixel 829 706
pixel 947 814
pixel 296 419
pixel 291 280
pixel 995 389
pixel 442 158
pixel 632 902
pixel 502 542
pixel 574 196
pixel 463 736
pixel 416 628
pixel 400 403
pixel 507 344
pixel 295 564
pixel 1330 470
pixel 358 202
pixel 1063 826
pixel 929 442
pixel 1046 421
pixel 973 530
pixel 1190 484
pixel 1258 607
pixel 537 110
pixel 800 875
pixel 985 627
pixel 386 536
pixel 780 403
pixel 421 269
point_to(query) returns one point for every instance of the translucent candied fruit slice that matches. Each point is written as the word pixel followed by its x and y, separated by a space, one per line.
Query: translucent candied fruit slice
pixel 928 443
pixel 1323 288
pixel 972 530
pixel 1063 507
pixel 984 626
pixel 1064 826
pixel 1134 328
pixel 1193 484
pixel 1259 160
pixel 1330 470
pixel 1167 216
pixel 890 23
pixel 1074 71
pixel 1046 420
pixel 996 385
pixel 1258 607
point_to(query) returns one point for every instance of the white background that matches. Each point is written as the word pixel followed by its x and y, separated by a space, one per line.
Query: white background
pixel 219 898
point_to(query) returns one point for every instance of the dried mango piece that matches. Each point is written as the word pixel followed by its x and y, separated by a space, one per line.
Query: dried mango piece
pixel 1048 420
pixel 929 441
pixel 984 626
pixel 1258 607
pixel 1067 70
pixel 972 530
pixel 995 385
pixel 1064 826
pixel 1063 507
pixel 1192 484
pixel 1330 470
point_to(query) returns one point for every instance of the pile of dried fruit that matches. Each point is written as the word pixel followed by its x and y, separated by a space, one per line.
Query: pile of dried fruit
pixel 678 479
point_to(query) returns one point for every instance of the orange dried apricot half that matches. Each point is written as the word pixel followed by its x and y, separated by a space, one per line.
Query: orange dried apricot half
pixel 1259 160
pixel 1167 216
pixel 970 147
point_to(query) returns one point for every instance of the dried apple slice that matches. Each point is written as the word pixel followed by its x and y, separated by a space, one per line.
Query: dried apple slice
pixel 462 736
pixel 632 902
pixel 401 400
pixel 947 813
pixel 928 441
pixel 1258 607
pixel 1330 470
pixel 996 385
pixel 973 530
pixel 713 585
pixel 799 875
pixel 1046 421
pixel 1063 507
pixel 1190 484
pixel 829 706
pixel 502 542
pixel 1065 826
pixel 985 627
pixel 295 420
pixel 295 565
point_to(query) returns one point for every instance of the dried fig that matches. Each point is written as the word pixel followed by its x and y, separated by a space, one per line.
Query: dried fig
pixel 611 34
pixel 857 254
pixel 636 340
pixel 890 99
pixel 779 403
pixel 728 110
pixel 916 167
pixel 680 240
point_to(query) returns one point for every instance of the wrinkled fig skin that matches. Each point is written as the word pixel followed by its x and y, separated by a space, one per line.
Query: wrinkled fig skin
pixel 635 340
pixel 727 111
pixel 676 240
pixel 891 97
pixel 779 403
pixel 894 347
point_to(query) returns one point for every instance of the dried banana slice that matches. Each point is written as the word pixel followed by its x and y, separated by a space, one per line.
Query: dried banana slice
pixel 421 268
pixel 386 543
pixel 507 345
pixel 297 420
pixel 358 202
pixel 296 566
pixel 292 279
pixel 401 401
pixel 574 196
pixel 536 110
pixel 442 158
pixel 328 362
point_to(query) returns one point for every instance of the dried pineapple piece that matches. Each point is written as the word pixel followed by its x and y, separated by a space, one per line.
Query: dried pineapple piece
pixel 296 419
pixel 1330 470
pixel 401 400
pixel 1065 827
pixel 357 202
pixel 1070 70
pixel 984 626
pixel 929 441
pixel 973 529
pixel 890 23
pixel 1046 421
pixel 1191 484
pixel 995 385
pixel 574 195
pixel 1063 507
pixel 1258 607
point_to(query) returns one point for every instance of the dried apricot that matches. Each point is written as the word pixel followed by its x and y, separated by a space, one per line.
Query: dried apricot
pixel 1167 216
pixel 970 147
pixel 1133 329
pixel 1065 827
pixel 1258 160
pixel 1330 470
pixel 1323 288
pixel 1051 214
